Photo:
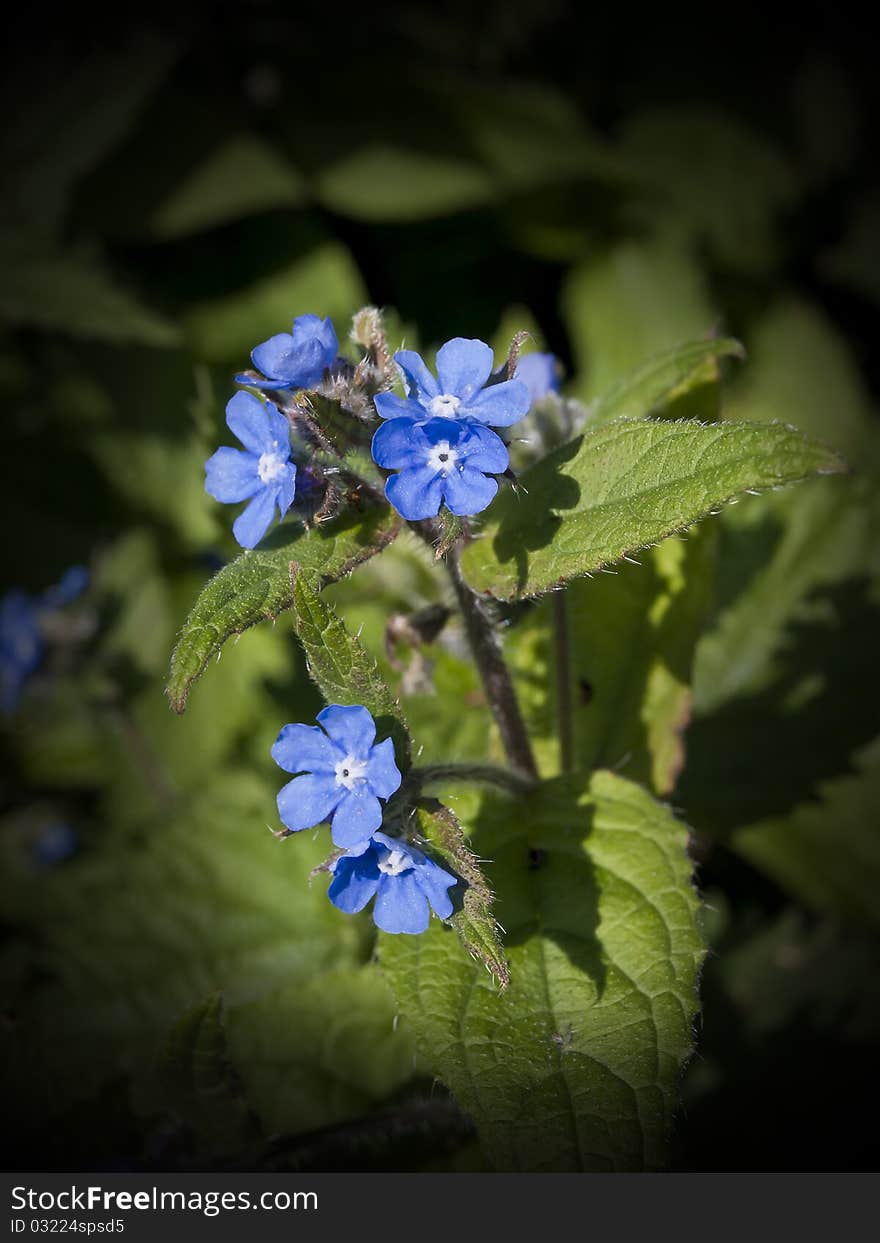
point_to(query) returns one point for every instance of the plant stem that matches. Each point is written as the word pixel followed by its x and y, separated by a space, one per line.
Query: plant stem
pixel 483 774
pixel 562 650
pixel 497 682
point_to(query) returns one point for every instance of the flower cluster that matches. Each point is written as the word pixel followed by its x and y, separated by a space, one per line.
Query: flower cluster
pixel 343 773
pixel 23 619
pixel 436 440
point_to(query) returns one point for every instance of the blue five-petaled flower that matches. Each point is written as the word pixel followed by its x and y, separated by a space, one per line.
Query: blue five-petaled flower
pixel 298 359
pixel 343 775
pixel 540 374
pixel 262 472
pixel 404 882
pixel 439 460
pixel 460 389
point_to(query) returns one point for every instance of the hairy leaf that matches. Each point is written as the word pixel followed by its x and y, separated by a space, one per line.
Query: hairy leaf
pixel 343 669
pixel 256 586
pixel 625 486
pixel 574 1066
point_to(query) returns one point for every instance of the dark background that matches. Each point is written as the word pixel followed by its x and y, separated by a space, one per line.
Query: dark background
pixel 629 178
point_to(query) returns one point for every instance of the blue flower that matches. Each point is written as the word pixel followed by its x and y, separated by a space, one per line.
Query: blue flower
pixel 403 881
pixel 21 646
pixel 343 775
pixel 22 643
pixel 263 471
pixel 459 392
pixel 296 360
pixel 539 373
pixel 440 460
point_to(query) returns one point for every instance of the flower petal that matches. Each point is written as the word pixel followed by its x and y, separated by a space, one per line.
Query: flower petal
pixel 231 475
pixel 390 406
pixel 416 493
pixel 356 818
pixel 307 800
pixel 481 448
pixel 383 774
pixel 434 882
pixel 400 444
pixel 305 749
pixel 499 405
pixel 401 906
pixel 286 488
pixel 251 525
pixel 276 358
pixel 463 366
pixel 355 881
pixel 247 418
pixel 539 373
pixel 351 728
pixel 420 384
pixel 468 491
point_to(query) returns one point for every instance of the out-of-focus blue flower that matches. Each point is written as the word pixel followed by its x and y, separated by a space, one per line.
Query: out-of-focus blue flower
pixel 55 843
pixel 343 775
pixel 22 643
pixel 404 882
pixel 21 646
pixel 262 471
pixel 440 460
pixel 539 373
pixel 459 391
pixel 298 359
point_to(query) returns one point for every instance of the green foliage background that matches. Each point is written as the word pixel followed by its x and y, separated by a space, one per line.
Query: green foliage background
pixel 178 994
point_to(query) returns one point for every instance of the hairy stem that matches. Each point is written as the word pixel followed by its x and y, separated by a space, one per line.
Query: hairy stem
pixel 562 662
pixel 497 682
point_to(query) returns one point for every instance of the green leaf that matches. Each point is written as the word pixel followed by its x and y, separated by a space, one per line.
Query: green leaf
pixel 633 301
pixel 256 586
pixel 631 641
pixel 709 180
pixel 474 922
pixel 73 293
pixel 664 381
pixel 827 851
pixel 243 177
pixel 341 666
pixel 574 1066
pixel 200 1084
pixel 326 281
pixel 623 487
pixel 381 183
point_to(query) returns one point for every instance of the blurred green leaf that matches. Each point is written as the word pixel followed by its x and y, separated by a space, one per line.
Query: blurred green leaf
pixel 244 176
pixel 826 852
pixel 710 179
pixel 631 640
pixel 256 586
pixel 73 293
pixel 664 381
pixel 575 1066
pixel 631 302
pixel 324 282
pixel 200 1084
pixel 382 183
pixel 626 486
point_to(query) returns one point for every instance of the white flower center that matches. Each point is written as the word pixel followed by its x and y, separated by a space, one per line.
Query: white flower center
pixel 444 406
pixel 350 771
pixel 271 467
pixel 442 458
pixel 393 862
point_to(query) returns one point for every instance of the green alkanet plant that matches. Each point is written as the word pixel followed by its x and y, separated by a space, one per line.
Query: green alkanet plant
pixel 562 1037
